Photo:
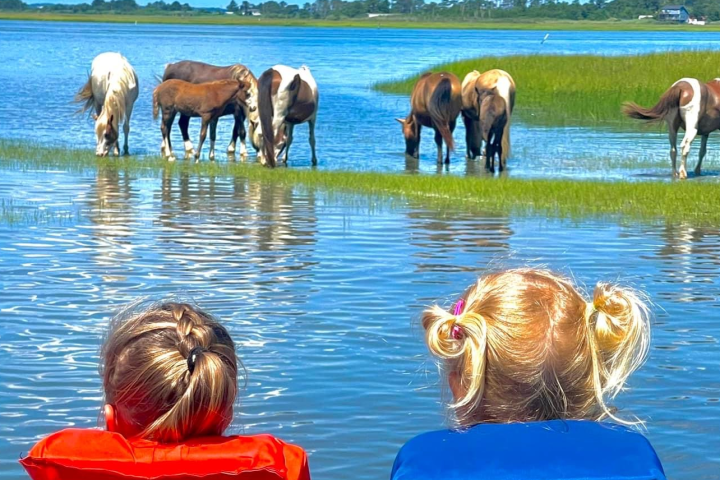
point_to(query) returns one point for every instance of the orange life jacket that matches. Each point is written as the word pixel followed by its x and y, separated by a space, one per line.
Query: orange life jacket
pixel 85 454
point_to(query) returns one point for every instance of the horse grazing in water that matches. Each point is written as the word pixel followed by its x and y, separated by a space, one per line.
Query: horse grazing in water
pixel 435 102
pixel 109 93
pixel 687 104
pixel 286 97
pixel 198 72
pixel 208 101
pixel 488 102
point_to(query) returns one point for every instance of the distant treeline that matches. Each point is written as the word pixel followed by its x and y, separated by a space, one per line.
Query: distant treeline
pixel 420 9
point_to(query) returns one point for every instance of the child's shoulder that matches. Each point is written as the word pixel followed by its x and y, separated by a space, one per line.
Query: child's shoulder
pixel 71 451
pixel 554 449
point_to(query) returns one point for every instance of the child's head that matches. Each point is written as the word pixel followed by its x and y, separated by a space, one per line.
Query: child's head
pixel 524 345
pixel 169 373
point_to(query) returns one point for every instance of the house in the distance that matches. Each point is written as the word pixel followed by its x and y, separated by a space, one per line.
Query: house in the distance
pixel 674 13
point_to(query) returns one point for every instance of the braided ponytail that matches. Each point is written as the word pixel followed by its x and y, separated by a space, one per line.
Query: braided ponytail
pixel 173 369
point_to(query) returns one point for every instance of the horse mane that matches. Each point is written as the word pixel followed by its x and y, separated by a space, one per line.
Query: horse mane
pixel 241 72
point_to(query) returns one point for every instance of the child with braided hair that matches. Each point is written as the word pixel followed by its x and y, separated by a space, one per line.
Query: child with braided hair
pixel 169 373
pixel 532 366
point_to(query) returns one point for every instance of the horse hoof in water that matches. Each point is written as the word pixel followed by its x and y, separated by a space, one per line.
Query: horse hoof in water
pixel 682 174
pixel 171 158
pixel 697 172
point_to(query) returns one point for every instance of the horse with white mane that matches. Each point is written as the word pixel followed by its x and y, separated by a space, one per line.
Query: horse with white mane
pixel 687 104
pixel 110 91
pixel 286 97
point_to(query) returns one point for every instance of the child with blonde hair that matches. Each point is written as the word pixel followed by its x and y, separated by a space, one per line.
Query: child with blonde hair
pixel 169 374
pixel 532 366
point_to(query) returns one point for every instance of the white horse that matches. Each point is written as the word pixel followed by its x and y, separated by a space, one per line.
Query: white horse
pixel 111 91
pixel 286 97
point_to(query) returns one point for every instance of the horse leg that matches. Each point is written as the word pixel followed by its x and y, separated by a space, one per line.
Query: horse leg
pixel 288 140
pixel 469 137
pixel 168 119
pixel 490 154
pixel 672 135
pixel 451 126
pixel 213 131
pixel 703 150
pixel 439 142
pixel 203 134
pixel 240 122
pixel 184 123
pixel 690 134
pixel 126 131
pixel 311 126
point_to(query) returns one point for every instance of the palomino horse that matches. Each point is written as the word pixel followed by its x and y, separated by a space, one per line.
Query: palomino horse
pixel 687 104
pixel 286 97
pixel 488 102
pixel 205 100
pixel 198 72
pixel 435 102
pixel 111 91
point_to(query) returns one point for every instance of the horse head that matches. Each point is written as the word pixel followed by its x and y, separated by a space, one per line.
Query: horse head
pixel 107 134
pixel 411 132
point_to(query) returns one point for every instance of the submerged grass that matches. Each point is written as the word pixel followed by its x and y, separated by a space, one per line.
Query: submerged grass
pixel 583 89
pixel 687 200
pixel 378 22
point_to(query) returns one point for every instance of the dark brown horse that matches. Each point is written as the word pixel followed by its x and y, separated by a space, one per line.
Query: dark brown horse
pixel 488 102
pixel 286 97
pixel 687 104
pixel 198 72
pixel 435 102
pixel 206 100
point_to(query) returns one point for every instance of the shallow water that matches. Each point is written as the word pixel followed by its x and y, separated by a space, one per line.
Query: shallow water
pixel 321 292
pixel 44 64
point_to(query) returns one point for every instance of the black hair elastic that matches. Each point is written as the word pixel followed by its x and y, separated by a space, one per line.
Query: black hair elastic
pixel 192 356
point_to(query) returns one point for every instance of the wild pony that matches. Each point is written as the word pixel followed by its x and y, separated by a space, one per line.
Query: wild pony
pixel 488 102
pixel 198 72
pixel 286 97
pixel 687 104
pixel 435 102
pixel 205 100
pixel 109 93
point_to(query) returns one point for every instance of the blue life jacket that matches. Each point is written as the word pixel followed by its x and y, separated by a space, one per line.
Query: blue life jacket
pixel 551 450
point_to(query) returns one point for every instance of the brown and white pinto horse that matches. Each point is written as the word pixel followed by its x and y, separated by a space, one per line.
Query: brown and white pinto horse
pixel 687 104
pixel 286 97
pixel 488 102
pixel 435 102
pixel 199 72
pixel 206 100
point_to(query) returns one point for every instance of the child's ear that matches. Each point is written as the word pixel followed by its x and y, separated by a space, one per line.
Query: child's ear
pixel 110 418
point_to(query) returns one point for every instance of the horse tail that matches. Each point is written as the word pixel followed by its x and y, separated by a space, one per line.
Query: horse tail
pixel 669 102
pixel 85 96
pixel 506 91
pixel 439 110
pixel 156 107
pixel 265 109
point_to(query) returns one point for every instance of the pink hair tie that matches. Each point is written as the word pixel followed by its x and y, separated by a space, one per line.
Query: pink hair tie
pixel 457 332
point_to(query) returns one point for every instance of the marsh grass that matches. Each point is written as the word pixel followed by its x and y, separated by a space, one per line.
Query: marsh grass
pixel 388 22
pixel 690 200
pixel 583 90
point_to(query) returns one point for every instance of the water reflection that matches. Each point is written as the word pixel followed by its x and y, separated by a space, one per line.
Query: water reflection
pixel 322 293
